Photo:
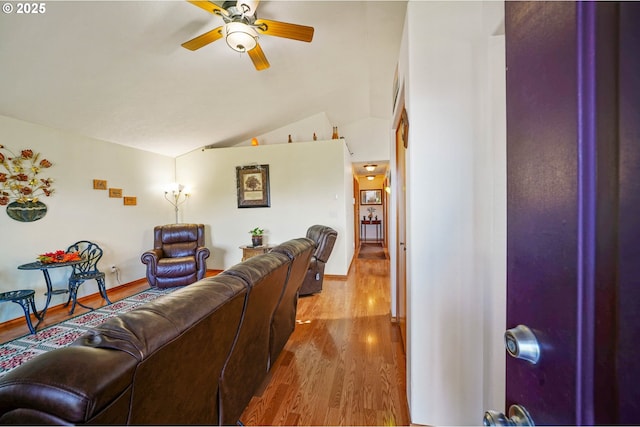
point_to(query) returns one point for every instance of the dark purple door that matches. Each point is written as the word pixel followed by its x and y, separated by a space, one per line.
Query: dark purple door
pixel 573 208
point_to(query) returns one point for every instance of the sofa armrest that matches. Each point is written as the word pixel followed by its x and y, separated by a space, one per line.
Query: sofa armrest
pixel 150 258
pixel 313 264
pixel 325 246
pixel 73 384
pixel 202 253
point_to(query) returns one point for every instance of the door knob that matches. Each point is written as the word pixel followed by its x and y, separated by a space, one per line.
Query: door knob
pixel 522 343
pixel 518 416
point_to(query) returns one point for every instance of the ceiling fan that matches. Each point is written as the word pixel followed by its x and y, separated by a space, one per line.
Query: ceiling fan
pixel 242 28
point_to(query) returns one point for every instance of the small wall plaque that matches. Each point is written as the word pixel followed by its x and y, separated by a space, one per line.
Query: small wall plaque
pixel 115 192
pixel 99 184
pixel 130 201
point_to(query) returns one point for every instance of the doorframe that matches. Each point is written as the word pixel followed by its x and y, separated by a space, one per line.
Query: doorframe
pixel 401 142
pixel 356 215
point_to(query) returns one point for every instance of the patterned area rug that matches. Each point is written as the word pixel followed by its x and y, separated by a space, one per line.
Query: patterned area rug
pixel 16 352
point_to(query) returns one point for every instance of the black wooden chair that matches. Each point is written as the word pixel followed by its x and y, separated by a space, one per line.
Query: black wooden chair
pixel 87 270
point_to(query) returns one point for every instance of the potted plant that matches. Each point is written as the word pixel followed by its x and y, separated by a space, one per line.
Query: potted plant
pixel 256 236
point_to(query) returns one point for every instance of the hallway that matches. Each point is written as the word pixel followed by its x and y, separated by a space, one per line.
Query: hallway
pixel 344 363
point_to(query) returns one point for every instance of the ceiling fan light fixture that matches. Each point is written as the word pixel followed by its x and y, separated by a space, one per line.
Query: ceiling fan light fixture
pixel 240 37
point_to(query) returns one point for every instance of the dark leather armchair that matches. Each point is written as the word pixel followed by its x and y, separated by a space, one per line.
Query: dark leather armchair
pixel 324 237
pixel 178 255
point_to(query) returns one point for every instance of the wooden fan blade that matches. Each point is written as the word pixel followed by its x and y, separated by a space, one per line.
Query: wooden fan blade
pixel 203 39
pixel 283 29
pixel 257 57
pixel 209 7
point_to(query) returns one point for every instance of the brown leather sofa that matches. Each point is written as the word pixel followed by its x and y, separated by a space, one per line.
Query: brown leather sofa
pixel 270 319
pixel 325 238
pixel 284 317
pixel 195 356
pixel 178 257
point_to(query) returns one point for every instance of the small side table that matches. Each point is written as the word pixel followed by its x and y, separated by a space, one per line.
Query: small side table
pixel 251 251
pixel 363 229
pixel 24 298
pixel 47 279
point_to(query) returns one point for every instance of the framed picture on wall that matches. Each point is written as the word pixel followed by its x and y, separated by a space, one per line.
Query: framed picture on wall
pixel 370 197
pixel 252 183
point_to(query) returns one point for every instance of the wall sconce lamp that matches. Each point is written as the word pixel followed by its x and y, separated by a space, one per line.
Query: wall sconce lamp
pixel 177 194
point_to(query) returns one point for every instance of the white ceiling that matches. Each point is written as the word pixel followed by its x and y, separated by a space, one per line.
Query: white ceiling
pixel 115 70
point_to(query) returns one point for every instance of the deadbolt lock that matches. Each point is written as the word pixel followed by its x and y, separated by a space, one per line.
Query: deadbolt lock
pixel 522 343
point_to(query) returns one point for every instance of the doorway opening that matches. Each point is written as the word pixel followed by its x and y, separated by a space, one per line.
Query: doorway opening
pixel 371 210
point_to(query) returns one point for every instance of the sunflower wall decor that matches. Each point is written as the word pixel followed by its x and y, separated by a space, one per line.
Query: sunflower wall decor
pixel 21 185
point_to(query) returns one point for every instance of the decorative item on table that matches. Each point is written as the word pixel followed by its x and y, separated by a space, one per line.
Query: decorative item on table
pixel 371 211
pixel 20 185
pixel 58 256
pixel 256 236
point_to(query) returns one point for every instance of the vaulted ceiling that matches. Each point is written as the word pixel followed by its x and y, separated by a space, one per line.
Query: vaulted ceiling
pixel 116 71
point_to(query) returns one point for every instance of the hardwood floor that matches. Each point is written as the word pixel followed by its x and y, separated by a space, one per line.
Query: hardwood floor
pixel 343 365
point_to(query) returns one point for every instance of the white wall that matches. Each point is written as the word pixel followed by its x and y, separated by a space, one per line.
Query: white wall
pixel 367 139
pixel 76 211
pixel 456 221
pixel 310 183
pixel 302 130
pixel 349 206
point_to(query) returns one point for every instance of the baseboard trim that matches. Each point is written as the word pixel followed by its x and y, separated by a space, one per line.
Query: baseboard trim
pixel 335 277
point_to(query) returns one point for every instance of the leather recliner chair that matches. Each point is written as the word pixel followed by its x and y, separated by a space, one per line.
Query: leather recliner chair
pixel 178 255
pixel 324 237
